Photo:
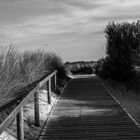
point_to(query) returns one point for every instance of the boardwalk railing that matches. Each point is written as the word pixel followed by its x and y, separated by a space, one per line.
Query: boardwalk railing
pixel 17 113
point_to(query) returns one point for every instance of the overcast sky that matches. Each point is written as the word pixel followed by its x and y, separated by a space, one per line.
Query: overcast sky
pixel 71 28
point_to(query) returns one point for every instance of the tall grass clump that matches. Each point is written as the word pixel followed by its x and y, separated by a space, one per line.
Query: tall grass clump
pixel 123 43
pixel 18 70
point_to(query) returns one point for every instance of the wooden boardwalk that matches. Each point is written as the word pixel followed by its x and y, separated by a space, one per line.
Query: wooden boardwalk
pixel 86 111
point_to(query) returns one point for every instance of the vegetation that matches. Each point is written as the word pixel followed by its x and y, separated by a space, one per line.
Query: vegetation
pixel 80 67
pixel 19 74
pixel 122 48
pixel 129 99
pixel 17 70
pixel 121 66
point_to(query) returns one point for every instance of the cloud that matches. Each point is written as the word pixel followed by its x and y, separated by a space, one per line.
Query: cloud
pixel 63 23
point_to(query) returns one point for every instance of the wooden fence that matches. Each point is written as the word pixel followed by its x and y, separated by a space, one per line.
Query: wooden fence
pixel 18 111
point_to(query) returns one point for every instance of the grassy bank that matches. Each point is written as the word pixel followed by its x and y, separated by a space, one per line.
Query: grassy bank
pixel 129 99
pixel 18 70
pixel 20 73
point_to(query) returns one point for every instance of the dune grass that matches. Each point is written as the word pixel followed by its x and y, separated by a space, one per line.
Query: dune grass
pixel 17 70
pixel 19 74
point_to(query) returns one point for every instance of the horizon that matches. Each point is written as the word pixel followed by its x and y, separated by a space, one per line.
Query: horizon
pixel 74 29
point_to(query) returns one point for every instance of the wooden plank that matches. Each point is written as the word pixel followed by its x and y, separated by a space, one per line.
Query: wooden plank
pixel 49 91
pixel 36 109
pixel 47 78
pixel 55 78
pixel 20 125
pixel 86 111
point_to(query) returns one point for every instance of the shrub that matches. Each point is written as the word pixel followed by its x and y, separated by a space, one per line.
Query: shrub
pixel 123 41
pixel 80 67
pixel 82 70
pixel 98 66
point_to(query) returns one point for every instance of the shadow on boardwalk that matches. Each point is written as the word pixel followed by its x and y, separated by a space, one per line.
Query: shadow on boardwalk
pixel 86 111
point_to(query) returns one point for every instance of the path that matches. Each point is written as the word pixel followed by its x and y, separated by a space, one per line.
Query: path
pixel 86 111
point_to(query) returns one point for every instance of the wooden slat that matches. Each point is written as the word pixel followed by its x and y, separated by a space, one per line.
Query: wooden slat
pixel 36 109
pixel 49 91
pixel 55 78
pixel 86 111
pixel 47 78
pixel 20 125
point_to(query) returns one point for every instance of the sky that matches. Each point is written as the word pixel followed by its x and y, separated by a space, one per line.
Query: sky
pixel 73 29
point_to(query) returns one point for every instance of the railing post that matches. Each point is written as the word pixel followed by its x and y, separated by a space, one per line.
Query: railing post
pixel 49 91
pixel 36 109
pixel 52 81
pixel 20 125
pixel 55 80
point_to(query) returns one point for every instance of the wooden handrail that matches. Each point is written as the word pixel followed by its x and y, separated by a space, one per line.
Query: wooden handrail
pixel 18 111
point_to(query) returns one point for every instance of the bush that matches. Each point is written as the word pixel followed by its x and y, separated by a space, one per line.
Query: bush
pixel 98 66
pixel 82 70
pixel 80 67
pixel 123 41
